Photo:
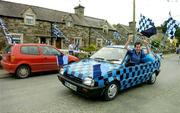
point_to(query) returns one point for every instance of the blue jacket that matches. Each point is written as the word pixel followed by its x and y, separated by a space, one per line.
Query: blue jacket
pixel 134 57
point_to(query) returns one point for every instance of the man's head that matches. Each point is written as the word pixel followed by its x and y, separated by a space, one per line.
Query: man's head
pixel 137 46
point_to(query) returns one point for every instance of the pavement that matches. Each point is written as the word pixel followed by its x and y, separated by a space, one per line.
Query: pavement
pixel 3 73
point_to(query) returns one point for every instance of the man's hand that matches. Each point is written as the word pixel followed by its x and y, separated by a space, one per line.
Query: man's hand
pixel 130 38
pixel 146 42
pixel 128 41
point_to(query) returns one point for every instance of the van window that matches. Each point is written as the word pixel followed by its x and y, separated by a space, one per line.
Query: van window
pixel 31 50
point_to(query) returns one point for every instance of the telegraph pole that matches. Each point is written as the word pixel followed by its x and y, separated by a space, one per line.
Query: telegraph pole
pixel 134 21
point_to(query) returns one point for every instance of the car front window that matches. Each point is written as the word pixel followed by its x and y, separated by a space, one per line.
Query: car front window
pixel 110 54
pixel 49 50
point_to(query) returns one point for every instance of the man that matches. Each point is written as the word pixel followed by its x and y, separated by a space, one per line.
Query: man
pixel 137 54
pixel 71 48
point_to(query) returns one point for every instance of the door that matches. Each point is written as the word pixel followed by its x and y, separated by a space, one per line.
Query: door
pixel 58 43
pixel 30 55
pixel 49 58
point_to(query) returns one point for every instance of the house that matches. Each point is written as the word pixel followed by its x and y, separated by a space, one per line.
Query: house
pixel 32 24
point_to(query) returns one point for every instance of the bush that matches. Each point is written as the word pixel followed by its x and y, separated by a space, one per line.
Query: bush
pixel 90 48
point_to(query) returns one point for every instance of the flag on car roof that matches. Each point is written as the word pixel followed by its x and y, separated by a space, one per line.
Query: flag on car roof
pixel 7 35
pixel 172 26
pixel 146 26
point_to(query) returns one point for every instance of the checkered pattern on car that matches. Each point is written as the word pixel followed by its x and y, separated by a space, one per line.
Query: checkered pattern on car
pixel 129 76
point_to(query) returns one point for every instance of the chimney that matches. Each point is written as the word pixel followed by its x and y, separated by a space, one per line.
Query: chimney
pixel 79 10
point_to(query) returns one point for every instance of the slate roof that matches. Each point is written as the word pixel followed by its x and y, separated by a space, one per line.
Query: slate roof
pixel 16 10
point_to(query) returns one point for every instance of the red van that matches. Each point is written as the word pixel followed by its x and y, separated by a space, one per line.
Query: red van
pixel 23 59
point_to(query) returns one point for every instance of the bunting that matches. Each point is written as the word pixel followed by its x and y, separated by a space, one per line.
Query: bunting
pixel 8 36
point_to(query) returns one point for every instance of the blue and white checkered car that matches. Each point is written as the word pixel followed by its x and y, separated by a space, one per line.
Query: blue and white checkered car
pixel 105 73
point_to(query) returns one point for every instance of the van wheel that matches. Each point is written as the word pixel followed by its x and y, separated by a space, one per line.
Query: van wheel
pixel 152 79
pixel 23 71
pixel 111 91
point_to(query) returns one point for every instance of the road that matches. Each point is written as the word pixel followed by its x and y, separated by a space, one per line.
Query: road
pixel 45 94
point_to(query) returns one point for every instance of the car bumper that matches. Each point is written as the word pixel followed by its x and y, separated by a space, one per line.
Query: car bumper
pixel 81 88
pixel 10 68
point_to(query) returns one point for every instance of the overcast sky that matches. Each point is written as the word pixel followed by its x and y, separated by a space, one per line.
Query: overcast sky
pixel 115 11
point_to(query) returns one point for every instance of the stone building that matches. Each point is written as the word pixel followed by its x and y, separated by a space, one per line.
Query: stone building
pixel 32 24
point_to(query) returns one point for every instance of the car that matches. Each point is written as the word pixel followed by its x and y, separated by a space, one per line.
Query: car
pixel 24 59
pixel 105 73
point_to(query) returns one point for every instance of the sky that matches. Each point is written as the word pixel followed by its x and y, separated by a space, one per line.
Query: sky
pixel 115 11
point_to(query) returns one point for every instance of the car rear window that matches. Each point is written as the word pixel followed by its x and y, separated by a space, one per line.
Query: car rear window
pixel 31 50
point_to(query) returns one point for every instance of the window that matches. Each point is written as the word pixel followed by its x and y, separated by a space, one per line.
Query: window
pixel 99 42
pixel 17 38
pixel 31 50
pixel 68 24
pixel 49 50
pixel 105 29
pixel 29 19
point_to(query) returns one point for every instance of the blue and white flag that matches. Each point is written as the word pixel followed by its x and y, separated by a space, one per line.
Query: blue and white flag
pixel 56 32
pixel 7 35
pixel 62 60
pixel 116 35
pixel 146 26
pixel 172 26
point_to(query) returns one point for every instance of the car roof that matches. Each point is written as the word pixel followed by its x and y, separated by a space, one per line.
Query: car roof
pixel 119 46
pixel 29 44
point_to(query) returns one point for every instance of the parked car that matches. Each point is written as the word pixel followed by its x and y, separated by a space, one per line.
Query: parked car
pixel 105 72
pixel 23 59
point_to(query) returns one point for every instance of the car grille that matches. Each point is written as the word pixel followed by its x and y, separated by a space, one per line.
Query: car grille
pixel 73 78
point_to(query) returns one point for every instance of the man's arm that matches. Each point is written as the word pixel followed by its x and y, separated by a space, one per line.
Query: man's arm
pixel 128 41
pixel 147 47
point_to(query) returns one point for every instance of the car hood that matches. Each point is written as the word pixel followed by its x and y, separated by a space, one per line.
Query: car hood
pixel 89 68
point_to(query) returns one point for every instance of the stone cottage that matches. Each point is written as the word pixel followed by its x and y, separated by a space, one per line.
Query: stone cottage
pixel 32 24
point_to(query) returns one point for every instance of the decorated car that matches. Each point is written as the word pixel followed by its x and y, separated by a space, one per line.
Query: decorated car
pixel 105 73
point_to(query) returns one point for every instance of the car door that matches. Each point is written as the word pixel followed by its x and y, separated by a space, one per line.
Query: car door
pixel 49 58
pixel 133 75
pixel 30 55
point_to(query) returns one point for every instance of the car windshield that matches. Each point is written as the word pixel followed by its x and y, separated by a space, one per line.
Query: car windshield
pixel 110 54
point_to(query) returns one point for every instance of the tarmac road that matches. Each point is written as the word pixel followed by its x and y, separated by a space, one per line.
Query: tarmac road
pixel 45 94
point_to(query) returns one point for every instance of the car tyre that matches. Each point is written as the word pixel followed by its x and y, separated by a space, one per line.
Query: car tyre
pixel 111 91
pixel 23 71
pixel 152 79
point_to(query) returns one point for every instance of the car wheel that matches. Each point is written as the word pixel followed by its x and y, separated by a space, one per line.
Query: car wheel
pixel 23 71
pixel 152 79
pixel 111 91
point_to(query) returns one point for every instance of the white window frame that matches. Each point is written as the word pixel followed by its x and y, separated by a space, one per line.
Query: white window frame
pixel 99 41
pixel 47 41
pixel 19 35
pixel 31 17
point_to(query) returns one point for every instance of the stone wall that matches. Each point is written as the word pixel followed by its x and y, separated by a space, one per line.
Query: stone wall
pixel 31 33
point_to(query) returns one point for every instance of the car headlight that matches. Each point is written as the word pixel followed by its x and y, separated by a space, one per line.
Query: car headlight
pixel 88 81
pixel 61 71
